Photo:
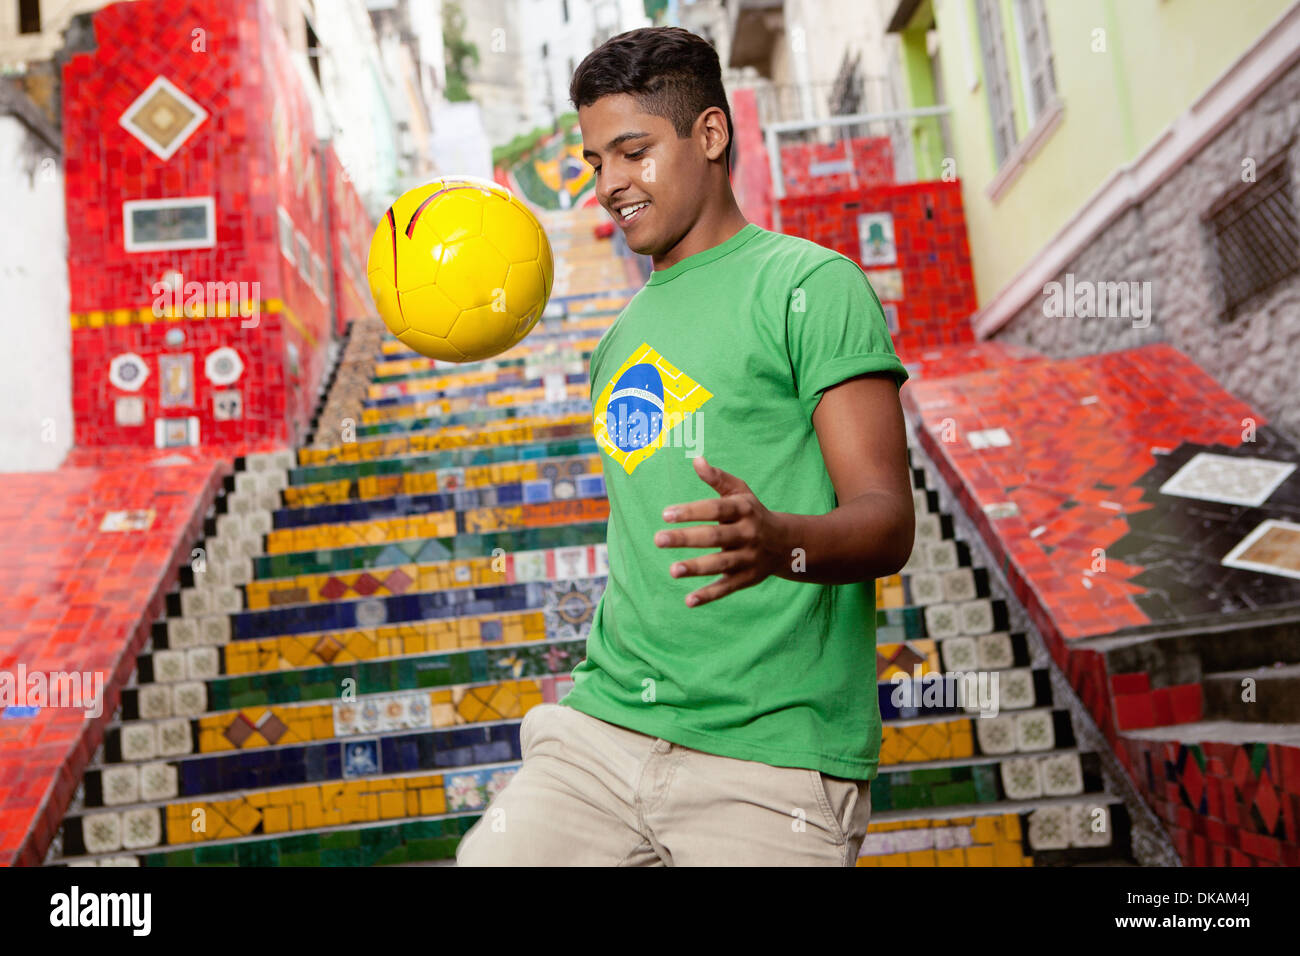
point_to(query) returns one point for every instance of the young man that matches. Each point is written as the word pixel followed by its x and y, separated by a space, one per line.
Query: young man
pixel 727 720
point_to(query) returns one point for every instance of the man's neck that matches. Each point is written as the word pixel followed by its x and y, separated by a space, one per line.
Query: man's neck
pixel 710 232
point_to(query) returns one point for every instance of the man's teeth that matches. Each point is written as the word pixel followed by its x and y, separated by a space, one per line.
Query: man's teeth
pixel 628 211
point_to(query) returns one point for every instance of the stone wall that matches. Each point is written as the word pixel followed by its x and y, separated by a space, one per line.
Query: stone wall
pixel 1163 241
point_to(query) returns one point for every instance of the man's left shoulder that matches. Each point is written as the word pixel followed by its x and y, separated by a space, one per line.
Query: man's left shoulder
pixel 797 257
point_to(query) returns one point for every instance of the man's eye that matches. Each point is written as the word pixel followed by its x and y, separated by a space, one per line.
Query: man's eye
pixel 637 153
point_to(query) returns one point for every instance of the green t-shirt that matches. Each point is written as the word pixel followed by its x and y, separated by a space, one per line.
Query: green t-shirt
pixel 725 354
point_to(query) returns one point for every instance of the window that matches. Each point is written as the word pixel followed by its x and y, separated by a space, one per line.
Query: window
pixel 286 234
pixel 152 224
pixel 318 270
pixel 996 78
pixel 564 8
pixel 29 16
pixel 304 258
pixel 1037 75
pixel 1255 234
pixel 313 50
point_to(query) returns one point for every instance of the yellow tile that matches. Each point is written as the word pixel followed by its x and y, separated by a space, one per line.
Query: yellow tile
pixel 369 806
pixel 986 830
pixel 245 818
pixel 504 702
pixel 979 856
pixel 1006 853
pixel 391 805
pixel 951 857
pixel 275 819
pixel 433 800
pixel 1011 826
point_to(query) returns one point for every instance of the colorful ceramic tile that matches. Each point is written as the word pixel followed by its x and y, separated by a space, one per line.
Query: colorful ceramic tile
pixel 176 381
pixel 876 239
pixel 1272 547
pixel 1227 479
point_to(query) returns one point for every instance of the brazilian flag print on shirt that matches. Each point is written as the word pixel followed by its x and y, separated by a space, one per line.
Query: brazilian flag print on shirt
pixel 726 354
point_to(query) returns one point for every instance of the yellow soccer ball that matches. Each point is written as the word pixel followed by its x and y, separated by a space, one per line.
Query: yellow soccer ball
pixel 460 269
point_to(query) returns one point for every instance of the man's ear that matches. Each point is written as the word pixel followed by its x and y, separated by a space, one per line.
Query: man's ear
pixel 713 127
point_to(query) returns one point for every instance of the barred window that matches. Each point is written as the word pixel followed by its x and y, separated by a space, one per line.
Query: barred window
pixel 1038 76
pixel 1255 234
pixel 996 78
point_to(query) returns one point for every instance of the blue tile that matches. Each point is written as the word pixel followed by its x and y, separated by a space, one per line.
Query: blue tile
pixel 537 491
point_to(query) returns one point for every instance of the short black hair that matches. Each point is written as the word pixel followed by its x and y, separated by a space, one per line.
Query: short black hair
pixel 671 72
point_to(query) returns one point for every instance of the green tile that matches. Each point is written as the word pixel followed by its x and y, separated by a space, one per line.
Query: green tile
pixel 986 784
pixel 338 857
pixel 933 776
pixel 398 854
pixel 303 843
pixel 339 840
pixel 949 794
pixel 214 855
pixel 261 853
pixel 421 850
pixel 422 830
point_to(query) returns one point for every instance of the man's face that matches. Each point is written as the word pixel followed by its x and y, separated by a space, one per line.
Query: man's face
pixel 639 159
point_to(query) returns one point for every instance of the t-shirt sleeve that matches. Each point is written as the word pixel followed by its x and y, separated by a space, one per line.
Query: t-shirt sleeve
pixel 835 330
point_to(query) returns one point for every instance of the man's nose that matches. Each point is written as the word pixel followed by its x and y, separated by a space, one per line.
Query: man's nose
pixel 611 186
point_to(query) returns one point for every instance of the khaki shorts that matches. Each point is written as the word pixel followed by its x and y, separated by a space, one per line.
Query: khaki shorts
pixel 590 793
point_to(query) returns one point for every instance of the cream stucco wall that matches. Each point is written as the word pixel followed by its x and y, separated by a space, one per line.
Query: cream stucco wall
pixel 1158 57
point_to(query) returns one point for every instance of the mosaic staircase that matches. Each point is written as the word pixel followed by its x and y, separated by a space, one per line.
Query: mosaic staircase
pixel 341 674
pixel 1016 786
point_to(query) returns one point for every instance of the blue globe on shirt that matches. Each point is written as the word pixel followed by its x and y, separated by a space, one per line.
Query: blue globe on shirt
pixel 636 408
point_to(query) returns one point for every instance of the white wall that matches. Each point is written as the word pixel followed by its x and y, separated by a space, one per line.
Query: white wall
pixel 361 102
pixel 35 359
pixel 18 49
pixel 516 88
pixel 543 22
pixel 460 143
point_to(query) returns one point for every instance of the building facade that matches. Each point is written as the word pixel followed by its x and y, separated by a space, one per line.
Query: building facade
pixel 1128 172
pixel 527 52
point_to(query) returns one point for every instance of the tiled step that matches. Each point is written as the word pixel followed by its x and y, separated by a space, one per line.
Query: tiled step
pixel 201 646
pixel 1061 831
pixel 455 461
pixel 368 564
pixel 1255 695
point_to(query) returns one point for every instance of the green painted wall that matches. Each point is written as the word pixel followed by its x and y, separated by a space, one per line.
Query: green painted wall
pixel 927 139
pixel 1160 55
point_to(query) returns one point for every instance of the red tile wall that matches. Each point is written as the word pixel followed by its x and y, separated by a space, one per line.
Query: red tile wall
pixel 255 151
pixel 872 165
pixel 350 232
pixel 933 254
pixel 751 173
